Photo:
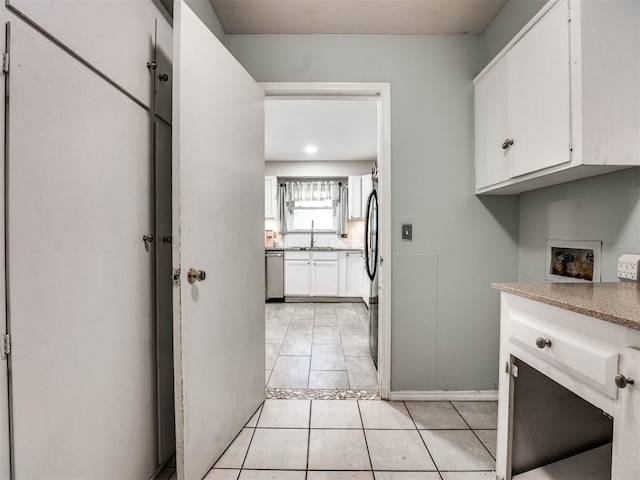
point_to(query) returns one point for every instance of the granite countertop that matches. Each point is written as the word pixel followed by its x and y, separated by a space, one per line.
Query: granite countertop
pixel 617 303
pixel 315 249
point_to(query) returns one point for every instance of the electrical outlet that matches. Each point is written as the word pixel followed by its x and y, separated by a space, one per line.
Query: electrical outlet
pixel 628 265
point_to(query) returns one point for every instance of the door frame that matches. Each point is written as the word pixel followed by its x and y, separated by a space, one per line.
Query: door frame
pixel 309 90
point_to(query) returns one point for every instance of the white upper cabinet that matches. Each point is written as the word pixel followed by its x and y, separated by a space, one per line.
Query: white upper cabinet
pixel 559 102
pixel 270 197
pixel 355 197
pixel 367 186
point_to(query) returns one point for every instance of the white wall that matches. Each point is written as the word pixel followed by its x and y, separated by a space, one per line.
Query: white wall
pixel 206 14
pixel 317 169
pixel 513 16
pixel 445 315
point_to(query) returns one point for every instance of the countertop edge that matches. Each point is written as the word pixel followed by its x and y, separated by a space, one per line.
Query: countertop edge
pixel 520 291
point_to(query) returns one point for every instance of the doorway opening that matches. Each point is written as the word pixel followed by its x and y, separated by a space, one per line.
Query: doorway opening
pixel 327 290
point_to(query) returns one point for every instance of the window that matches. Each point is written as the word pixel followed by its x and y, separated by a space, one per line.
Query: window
pixel 318 211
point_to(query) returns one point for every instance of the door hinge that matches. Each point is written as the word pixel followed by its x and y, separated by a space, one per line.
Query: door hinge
pixel 571 144
pixel 511 368
pixel 5 63
pixel 569 15
pixel 6 346
pixel 175 275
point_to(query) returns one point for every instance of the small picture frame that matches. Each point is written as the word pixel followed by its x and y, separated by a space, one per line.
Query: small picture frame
pixel 573 261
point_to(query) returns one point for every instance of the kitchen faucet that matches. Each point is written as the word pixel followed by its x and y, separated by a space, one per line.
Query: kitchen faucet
pixel 311 233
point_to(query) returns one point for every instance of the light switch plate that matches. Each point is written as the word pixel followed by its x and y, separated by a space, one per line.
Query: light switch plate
pixel 407 231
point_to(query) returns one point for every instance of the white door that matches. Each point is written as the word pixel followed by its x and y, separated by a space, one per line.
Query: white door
pixel 79 273
pixel 218 155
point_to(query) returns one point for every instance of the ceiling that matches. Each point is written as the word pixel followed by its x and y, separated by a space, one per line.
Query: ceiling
pixel 340 130
pixel 401 17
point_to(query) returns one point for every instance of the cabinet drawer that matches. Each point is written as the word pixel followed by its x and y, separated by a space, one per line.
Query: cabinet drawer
pixel 587 360
pixel 325 255
pixel 297 255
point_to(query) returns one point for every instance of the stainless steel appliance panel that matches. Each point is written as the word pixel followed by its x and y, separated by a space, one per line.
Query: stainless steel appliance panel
pixel 274 270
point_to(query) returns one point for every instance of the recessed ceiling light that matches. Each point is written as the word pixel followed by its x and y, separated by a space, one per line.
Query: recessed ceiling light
pixel 311 149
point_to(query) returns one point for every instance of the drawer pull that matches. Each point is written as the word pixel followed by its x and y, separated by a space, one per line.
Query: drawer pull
pixel 622 381
pixel 543 342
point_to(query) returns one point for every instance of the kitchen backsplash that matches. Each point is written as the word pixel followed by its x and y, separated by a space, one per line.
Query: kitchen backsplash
pixel 328 240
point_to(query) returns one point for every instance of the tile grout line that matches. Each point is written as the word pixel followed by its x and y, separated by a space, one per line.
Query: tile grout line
pixel 433 460
pixel 472 430
pixel 261 408
pixel 366 443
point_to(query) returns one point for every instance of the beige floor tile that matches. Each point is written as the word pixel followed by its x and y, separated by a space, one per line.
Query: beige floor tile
pixel 285 414
pixel 235 453
pixel 457 450
pixel 219 474
pixel 479 415
pixel 267 375
pixel 362 373
pixel 407 475
pixel 325 308
pixel 378 414
pixel 271 353
pixel 254 419
pixel 436 415
pixel 278 448
pixel 303 326
pixel 328 379
pixel 339 475
pixel 290 372
pixel 296 345
pixel 275 334
pixel 326 335
pixel 338 450
pixel 271 475
pixel 355 345
pixel 398 450
pixel 325 320
pixel 327 357
pixel 488 439
pixel 335 414
pixel 468 475
pixel 350 326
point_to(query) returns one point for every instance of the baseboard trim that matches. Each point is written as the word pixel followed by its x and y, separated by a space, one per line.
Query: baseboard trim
pixel 444 395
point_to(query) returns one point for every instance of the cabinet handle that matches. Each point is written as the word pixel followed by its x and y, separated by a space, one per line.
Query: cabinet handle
pixel 507 143
pixel 622 381
pixel 543 342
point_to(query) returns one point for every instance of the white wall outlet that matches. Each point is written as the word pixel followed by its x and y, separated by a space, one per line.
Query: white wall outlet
pixel 628 265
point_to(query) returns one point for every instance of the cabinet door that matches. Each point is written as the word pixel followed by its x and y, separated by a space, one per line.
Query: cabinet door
pixel 297 277
pixel 355 197
pixel 491 127
pixel 366 187
pixel 270 194
pixel 539 97
pixel 325 278
pixel 355 262
pixel 626 425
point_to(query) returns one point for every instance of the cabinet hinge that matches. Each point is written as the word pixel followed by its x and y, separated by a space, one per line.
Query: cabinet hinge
pixel 498 477
pixel 6 346
pixel 510 368
pixel 571 144
pixel 175 275
pixel 5 63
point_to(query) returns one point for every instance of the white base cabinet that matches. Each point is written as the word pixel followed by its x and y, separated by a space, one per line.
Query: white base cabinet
pixel 558 374
pixel 560 102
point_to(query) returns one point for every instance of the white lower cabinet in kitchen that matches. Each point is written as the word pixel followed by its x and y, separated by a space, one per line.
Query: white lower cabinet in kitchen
pixel 354 277
pixel 569 389
pixel 312 274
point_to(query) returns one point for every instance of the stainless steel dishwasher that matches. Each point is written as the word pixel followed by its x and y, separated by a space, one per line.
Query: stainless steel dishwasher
pixel 274 270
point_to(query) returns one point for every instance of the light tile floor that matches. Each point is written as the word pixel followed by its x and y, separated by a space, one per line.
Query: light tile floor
pixel 318 346
pixel 363 440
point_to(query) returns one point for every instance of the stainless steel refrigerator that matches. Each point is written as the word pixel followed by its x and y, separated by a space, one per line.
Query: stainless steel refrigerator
pixel 371 263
